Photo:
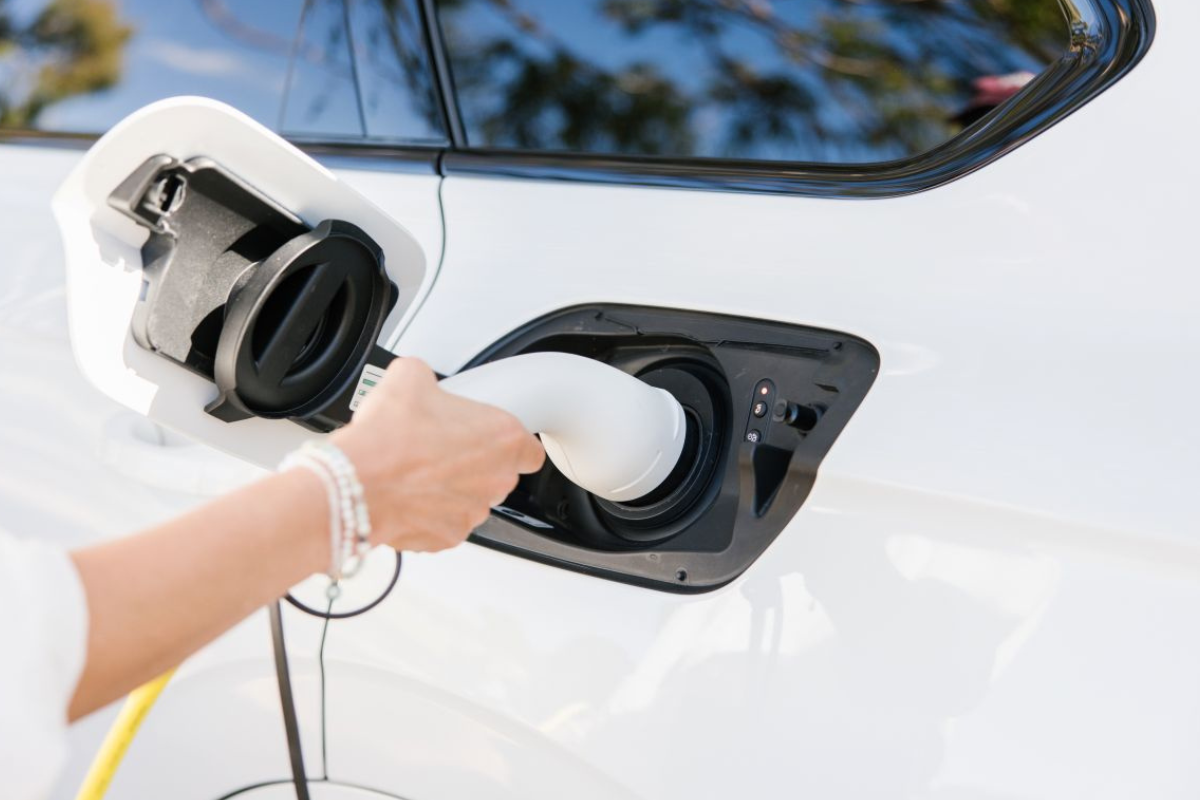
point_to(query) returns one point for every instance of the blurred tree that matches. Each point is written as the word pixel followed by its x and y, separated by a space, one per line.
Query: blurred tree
pixel 823 80
pixel 71 47
pixel 819 80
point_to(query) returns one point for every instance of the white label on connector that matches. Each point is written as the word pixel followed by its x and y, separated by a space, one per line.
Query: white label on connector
pixel 371 375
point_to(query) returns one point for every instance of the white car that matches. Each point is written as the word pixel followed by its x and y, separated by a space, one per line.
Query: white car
pixel 922 274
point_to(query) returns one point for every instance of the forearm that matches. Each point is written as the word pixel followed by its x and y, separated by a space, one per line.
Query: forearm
pixel 431 465
pixel 157 597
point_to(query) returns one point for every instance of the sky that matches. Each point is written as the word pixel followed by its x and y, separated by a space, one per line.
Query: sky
pixel 176 48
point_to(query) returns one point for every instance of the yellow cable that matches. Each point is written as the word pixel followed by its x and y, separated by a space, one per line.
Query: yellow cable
pixel 119 737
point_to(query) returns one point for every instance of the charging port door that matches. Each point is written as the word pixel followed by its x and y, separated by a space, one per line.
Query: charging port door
pixel 218 278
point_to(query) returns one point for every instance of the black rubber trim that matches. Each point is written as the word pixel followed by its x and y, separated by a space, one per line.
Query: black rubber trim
pixel 1100 54
pixel 357 154
pixel 1120 35
pixel 418 159
pixel 288 704
pixel 447 97
pixel 54 139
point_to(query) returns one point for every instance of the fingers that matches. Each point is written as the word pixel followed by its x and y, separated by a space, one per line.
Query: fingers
pixel 433 464
pixel 527 452
pixel 531 456
pixel 403 377
pixel 504 486
pixel 409 368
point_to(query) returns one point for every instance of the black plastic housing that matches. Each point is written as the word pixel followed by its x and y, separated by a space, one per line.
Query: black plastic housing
pixel 238 289
pixel 745 476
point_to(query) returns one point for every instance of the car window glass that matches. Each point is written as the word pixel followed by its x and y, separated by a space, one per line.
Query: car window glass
pixel 399 98
pixel 321 97
pixel 827 81
pixel 81 65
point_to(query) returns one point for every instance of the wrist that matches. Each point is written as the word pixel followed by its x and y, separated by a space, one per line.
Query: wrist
pixel 349 520
pixel 372 467
pixel 305 489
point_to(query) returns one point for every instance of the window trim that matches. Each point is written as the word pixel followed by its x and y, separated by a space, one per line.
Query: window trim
pixel 420 160
pixel 1117 38
pixel 443 78
pixel 1119 34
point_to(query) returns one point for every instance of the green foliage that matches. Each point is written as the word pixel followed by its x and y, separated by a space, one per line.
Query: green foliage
pixel 73 47
pixel 872 75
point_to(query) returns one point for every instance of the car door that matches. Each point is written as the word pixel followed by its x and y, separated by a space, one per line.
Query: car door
pixel 878 581
pixel 929 622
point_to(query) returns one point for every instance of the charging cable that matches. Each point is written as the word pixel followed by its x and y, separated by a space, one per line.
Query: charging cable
pixel 349 530
pixel 333 594
pixel 120 736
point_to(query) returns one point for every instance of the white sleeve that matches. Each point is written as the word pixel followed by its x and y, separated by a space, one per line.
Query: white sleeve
pixel 43 643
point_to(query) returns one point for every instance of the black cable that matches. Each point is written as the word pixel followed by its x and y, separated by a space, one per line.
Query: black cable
pixel 327 615
pixel 288 703
pixel 283 676
pixel 321 666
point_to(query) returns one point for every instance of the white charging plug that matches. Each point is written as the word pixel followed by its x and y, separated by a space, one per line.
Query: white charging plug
pixel 604 429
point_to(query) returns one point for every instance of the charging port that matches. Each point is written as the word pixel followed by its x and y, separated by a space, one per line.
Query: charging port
pixel 700 389
pixel 744 471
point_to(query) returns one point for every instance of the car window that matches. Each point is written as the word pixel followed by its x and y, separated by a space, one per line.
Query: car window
pixel 321 98
pixel 395 79
pixel 324 69
pixel 822 81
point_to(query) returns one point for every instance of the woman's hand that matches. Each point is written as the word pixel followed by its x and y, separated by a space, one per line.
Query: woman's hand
pixel 432 464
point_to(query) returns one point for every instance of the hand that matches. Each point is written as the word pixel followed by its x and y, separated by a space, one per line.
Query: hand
pixel 432 464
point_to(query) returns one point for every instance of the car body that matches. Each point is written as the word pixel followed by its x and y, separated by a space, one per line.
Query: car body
pixel 989 590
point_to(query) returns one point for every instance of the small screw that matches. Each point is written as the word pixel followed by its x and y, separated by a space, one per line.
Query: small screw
pixel 681 575
pixel 753 437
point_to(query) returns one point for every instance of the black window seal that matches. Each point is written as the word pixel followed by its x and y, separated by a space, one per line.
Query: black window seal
pixel 1118 36
pixel 443 78
pixel 60 140
pixel 411 158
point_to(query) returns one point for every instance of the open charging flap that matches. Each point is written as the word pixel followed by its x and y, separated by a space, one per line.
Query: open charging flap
pixel 217 274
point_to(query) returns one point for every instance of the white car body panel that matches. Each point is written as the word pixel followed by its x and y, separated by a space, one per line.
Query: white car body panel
pixel 991 592
pixel 1001 540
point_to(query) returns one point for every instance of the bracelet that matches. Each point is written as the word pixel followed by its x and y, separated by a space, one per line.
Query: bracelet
pixel 349 520
pixel 336 553
pixel 353 500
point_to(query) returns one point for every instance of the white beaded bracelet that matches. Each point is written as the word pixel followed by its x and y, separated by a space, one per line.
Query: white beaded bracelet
pixel 349 520
pixel 356 521
pixel 354 503
pixel 336 547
